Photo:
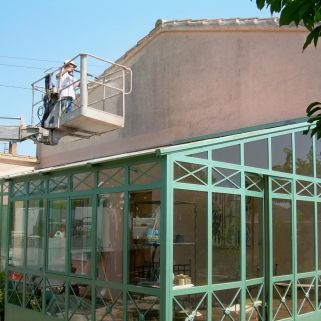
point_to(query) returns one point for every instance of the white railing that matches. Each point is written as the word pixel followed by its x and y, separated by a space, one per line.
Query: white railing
pixel 99 84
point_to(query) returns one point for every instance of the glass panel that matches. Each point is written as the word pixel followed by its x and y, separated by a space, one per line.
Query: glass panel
pixel 226 220
pixel 318 185
pixel 19 189
pixel 81 234
pixel 282 236
pixel 281 186
pixel 144 173
pixel 82 181
pixel 224 177
pixel 15 288
pixel 4 232
pixel 306 295
pixel 282 300
pixel 282 153
pixel 202 155
pixel 303 154
pixel 109 241
pixel 55 304
pixel 190 238
pixel 319 236
pixel 5 187
pixel 319 293
pixel 109 304
pixel 57 235
pixel 143 307
pixel 305 236
pixel 111 177
pixel 318 157
pixel 190 173
pixel 190 307
pixel 17 235
pixel 254 303
pixel 226 305
pixel 35 234
pixel 256 154
pixel 80 303
pixel 305 188
pixel 145 215
pixel 254 237
pixel 36 186
pixel 33 292
pixel 253 182
pixel 58 184
pixel 227 154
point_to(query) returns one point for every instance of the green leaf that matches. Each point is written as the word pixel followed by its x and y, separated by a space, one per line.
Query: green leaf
pixel 317 15
pixel 260 4
pixel 290 13
pixel 315 103
pixel 313 35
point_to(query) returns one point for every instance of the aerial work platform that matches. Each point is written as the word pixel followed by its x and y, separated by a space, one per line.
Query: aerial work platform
pixel 99 88
pixel 87 119
pixel 99 105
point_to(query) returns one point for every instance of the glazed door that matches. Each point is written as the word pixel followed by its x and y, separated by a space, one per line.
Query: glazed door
pixel 280 253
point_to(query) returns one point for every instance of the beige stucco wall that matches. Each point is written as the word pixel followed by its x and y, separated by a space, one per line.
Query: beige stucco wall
pixel 10 164
pixel 198 82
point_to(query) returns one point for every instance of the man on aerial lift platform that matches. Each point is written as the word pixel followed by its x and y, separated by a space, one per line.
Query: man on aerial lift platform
pixel 64 95
pixel 66 85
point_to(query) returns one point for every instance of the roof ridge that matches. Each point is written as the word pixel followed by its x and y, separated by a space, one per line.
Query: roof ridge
pixel 220 21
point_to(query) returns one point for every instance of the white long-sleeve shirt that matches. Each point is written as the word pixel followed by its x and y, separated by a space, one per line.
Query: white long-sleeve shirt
pixel 65 85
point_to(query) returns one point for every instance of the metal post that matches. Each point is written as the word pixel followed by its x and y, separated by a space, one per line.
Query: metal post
pixel 33 104
pixel 83 81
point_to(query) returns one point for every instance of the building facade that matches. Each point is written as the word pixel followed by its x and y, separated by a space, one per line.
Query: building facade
pixel 156 222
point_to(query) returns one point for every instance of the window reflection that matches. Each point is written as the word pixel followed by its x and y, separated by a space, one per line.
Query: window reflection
pixel 35 234
pixel 305 236
pixel 256 153
pixel 17 234
pixel 319 235
pixel 229 154
pixel 144 260
pixel 109 242
pixel 303 154
pixel 190 238
pixel 81 236
pixel 254 237
pixel 282 153
pixel 4 231
pixel 282 236
pixel 318 157
pixel 226 220
pixel 57 235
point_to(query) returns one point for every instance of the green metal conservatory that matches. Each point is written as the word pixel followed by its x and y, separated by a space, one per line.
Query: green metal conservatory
pixel 221 228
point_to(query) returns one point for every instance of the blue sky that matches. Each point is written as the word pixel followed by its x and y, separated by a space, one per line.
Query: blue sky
pixel 35 30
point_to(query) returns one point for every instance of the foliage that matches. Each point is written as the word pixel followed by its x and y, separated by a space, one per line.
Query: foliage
pixel 308 13
pixel 314 115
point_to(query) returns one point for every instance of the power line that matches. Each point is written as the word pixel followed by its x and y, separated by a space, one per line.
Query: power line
pixel 16 87
pixel 28 58
pixel 22 66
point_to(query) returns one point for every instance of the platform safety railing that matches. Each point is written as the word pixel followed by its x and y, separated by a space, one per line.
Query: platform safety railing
pixel 99 84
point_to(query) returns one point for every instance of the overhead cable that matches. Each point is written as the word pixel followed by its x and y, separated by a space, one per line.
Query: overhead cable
pixel 16 87
pixel 28 58
pixel 22 66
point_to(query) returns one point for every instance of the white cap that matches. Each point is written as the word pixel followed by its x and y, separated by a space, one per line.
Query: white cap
pixel 70 62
